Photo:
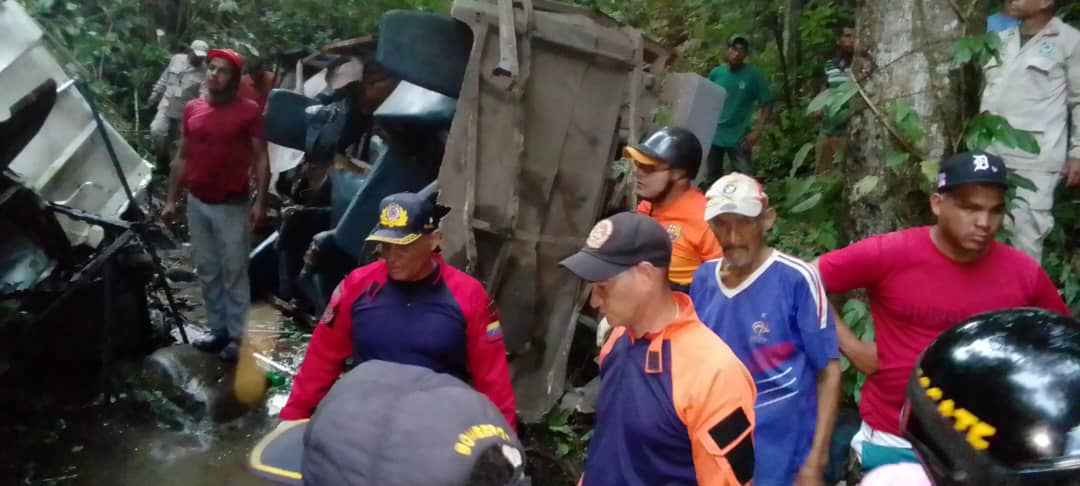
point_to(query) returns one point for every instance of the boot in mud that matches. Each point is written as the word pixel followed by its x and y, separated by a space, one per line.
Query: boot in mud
pixel 212 343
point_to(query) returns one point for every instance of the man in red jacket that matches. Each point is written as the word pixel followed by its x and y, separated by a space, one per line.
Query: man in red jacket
pixel 410 307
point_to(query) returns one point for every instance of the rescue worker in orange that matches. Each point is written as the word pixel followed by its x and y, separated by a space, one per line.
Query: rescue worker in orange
pixel 676 405
pixel 664 166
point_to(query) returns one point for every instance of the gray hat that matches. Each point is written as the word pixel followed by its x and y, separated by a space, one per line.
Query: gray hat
pixel 390 424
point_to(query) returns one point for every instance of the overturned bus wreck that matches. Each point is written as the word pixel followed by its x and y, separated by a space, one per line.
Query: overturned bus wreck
pixel 74 259
pixel 513 113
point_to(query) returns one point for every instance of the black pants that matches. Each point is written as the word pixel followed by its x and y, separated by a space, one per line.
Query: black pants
pixel 740 162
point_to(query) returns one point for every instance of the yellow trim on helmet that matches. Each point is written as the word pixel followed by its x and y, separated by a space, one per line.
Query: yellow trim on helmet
pixel 640 157
pixel 256 453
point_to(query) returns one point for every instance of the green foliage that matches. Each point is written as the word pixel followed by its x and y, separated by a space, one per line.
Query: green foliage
pixel 833 100
pixel 979 49
pixel 986 128
pixel 865 186
pixel 857 316
pixel 805 226
pixel 800 158
pixel 566 436
pixel 903 116
pixel 115 44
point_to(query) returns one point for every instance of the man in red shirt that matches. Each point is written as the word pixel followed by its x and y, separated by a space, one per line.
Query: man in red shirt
pixel 920 282
pixel 222 143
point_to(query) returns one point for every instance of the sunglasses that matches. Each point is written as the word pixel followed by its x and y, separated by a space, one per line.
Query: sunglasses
pixel 649 169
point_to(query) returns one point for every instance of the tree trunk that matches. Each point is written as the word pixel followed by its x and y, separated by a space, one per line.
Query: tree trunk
pixel 910 42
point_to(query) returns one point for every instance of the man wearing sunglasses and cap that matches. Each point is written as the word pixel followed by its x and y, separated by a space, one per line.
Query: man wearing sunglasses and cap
pixel 222 144
pixel 676 406
pixel 409 307
pixel 182 80
pixel 665 165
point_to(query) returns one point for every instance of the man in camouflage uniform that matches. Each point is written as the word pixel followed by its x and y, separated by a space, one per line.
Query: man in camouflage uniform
pixel 183 79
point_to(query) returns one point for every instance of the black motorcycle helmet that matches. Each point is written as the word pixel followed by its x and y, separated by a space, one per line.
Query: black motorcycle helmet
pixel 674 146
pixel 996 401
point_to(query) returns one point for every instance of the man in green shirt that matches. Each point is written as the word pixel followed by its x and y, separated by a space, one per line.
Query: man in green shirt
pixel 746 90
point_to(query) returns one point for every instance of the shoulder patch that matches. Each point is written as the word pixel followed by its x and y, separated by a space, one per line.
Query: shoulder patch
pixel 739 455
pixel 331 308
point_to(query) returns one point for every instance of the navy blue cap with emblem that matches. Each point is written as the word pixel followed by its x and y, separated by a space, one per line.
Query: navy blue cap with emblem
pixel 972 168
pixel 390 424
pixel 405 217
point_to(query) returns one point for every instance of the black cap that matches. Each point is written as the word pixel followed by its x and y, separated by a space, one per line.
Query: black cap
pixel 405 217
pixel 996 400
pixel 739 39
pixel 971 168
pixel 390 424
pixel 618 243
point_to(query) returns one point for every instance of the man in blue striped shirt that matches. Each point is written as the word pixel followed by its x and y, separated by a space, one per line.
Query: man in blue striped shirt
pixel 771 310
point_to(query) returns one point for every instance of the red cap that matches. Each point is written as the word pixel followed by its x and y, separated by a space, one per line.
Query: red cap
pixel 229 55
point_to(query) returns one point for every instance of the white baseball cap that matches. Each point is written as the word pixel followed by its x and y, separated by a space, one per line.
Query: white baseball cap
pixel 200 47
pixel 735 193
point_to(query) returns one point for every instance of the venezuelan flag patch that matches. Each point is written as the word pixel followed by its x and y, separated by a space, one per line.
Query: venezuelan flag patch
pixel 494 330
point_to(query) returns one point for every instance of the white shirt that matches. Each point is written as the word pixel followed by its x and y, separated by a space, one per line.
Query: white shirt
pixel 1035 87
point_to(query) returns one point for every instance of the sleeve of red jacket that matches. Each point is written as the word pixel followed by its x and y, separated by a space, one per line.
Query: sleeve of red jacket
pixel 330 346
pixel 487 353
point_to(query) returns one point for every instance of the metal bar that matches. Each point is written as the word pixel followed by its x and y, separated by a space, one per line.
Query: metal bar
pixel 81 215
pixel 88 95
pixel 508 52
pixel 178 320
pixel 78 280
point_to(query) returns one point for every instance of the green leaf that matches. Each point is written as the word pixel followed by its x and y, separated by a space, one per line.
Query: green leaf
pixel 1019 181
pixel 896 159
pixel 797 188
pixel 961 52
pixel 841 95
pixel 562 429
pixel 562 449
pixel 864 187
pixel 819 102
pixel 929 169
pixel 902 114
pixel 807 204
pixel 1026 141
pixel 800 158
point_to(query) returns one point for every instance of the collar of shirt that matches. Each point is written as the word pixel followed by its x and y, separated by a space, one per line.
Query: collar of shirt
pixel 654 362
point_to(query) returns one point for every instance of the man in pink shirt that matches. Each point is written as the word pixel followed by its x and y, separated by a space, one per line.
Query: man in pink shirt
pixel 922 280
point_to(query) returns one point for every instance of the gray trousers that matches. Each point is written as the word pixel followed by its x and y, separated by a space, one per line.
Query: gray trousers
pixel 1031 219
pixel 221 240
